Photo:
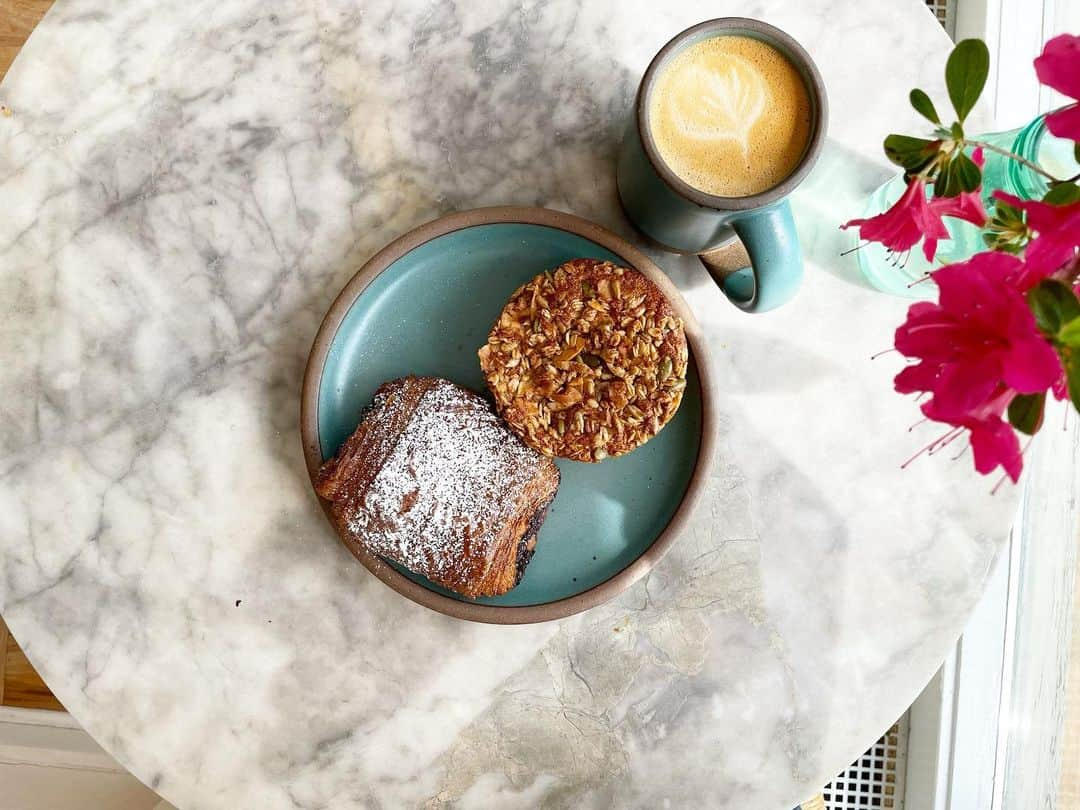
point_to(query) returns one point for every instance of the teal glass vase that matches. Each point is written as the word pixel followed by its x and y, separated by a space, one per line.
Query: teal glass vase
pixel 906 276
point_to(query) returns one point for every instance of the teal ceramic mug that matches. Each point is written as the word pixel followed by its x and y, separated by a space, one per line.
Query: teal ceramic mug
pixel 683 219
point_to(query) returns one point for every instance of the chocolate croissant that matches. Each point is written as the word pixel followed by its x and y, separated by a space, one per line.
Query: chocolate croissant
pixel 434 481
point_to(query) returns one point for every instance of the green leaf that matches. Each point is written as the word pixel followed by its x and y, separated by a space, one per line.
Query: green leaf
pixel 969 176
pixel 958 174
pixel 995 241
pixel 1054 304
pixel 1069 334
pixel 945 184
pixel 1063 194
pixel 965 74
pixel 924 106
pixel 956 132
pixel 1026 412
pixel 1071 360
pixel 1008 213
pixel 913 154
pixel 1076 151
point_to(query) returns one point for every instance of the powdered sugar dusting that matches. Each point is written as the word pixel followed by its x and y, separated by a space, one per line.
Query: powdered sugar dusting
pixel 447 488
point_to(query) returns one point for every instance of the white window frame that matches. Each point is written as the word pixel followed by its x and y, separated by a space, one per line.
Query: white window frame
pixel 1015 31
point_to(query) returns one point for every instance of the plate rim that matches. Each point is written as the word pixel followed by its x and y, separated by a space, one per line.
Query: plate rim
pixel 504 214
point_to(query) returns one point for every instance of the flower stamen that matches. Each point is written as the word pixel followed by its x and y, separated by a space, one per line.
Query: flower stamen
pixel 945 438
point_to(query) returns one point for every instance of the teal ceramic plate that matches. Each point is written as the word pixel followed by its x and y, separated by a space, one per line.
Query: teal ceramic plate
pixel 424 306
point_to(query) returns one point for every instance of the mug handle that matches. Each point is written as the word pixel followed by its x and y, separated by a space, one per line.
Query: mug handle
pixel 775 268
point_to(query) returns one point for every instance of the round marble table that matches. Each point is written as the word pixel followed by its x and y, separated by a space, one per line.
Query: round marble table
pixel 186 185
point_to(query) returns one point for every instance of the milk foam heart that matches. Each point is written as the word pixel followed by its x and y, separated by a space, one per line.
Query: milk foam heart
pixel 730 116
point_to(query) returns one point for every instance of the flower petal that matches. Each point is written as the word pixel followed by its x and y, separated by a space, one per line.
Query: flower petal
pixel 928 219
pixel 1059 65
pixel 1044 217
pixel 962 388
pixel 962 282
pixel 967 206
pixel 929 336
pixel 1045 254
pixel 1031 365
pixel 994 443
pixel 1065 123
pixel 1028 275
pixel 1061 388
pixel 919 377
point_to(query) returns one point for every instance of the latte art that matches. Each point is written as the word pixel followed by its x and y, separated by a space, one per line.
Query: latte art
pixel 730 116
pixel 719 104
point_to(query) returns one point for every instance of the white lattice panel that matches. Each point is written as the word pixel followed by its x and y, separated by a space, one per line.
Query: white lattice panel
pixel 945 11
pixel 875 781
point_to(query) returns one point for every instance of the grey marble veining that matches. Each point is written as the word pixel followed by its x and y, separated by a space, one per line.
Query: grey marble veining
pixel 184 189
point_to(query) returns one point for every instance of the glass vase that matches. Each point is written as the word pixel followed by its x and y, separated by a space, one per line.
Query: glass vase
pixel 906 276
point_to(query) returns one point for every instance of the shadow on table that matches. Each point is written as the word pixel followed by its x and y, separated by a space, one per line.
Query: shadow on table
pixel 835 191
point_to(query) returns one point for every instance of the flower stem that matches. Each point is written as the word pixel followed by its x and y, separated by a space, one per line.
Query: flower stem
pixel 1013 156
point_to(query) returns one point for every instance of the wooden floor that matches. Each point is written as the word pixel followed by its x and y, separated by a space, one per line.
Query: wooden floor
pixel 20 686
pixel 17 20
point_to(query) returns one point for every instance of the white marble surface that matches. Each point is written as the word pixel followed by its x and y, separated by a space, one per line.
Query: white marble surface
pixel 184 188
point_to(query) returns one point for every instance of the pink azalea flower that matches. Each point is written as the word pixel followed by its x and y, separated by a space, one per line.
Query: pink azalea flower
pixel 967 206
pixel 1059 67
pixel 914 217
pixel 903 225
pixel 1058 229
pixel 977 348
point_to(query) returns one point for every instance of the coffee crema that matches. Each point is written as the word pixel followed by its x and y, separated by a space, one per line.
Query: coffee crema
pixel 730 116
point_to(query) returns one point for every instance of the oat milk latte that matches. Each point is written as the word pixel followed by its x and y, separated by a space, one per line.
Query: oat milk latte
pixel 730 116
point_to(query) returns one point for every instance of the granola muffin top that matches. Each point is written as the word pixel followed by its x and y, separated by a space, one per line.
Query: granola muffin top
pixel 586 361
